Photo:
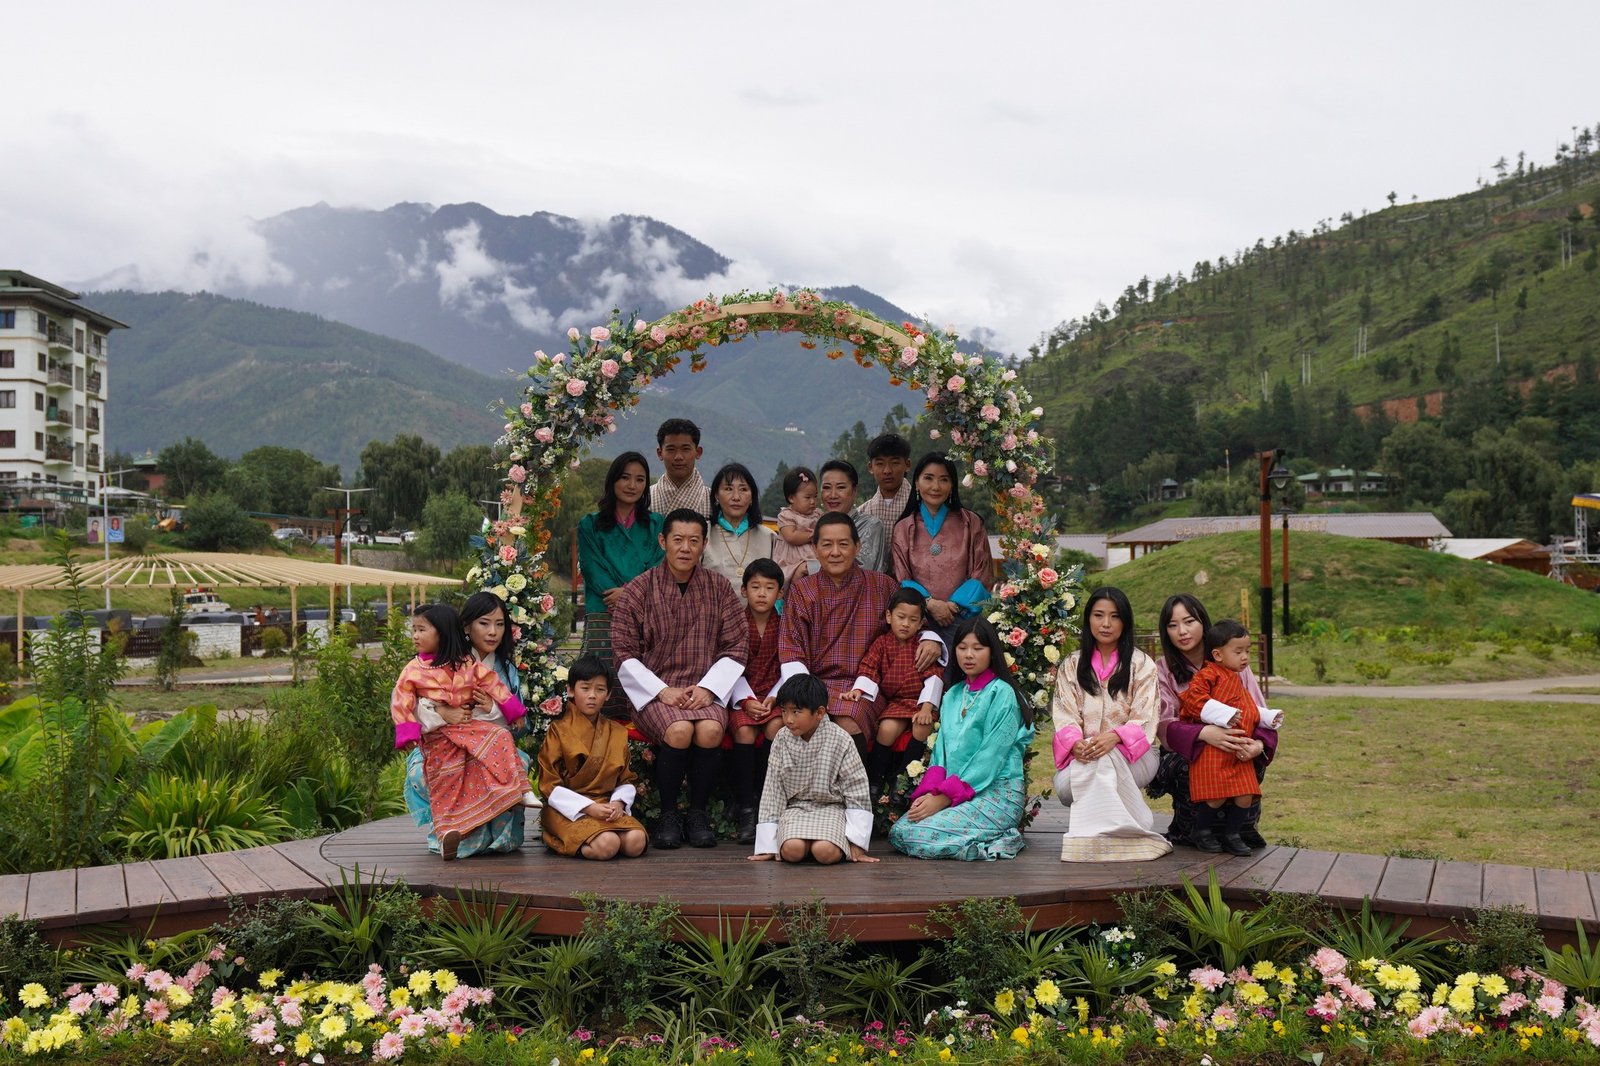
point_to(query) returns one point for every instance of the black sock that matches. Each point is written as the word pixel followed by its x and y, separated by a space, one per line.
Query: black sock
pixel 744 773
pixel 703 766
pixel 861 745
pixel 1233 819
pixel 671 763
pixel 1207 819
pixel 879 760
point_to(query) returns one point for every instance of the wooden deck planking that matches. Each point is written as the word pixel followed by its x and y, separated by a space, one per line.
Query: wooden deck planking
pixel 1457 889
pixel 52 896
pixel 1564 899
pixel 1353 878
pixel 193 886
pixel 1261 874
pixel 147 892
pixel 1305 872
pixel 102 894
pixel 1508 886
pixel 14 894
pixel 1405 885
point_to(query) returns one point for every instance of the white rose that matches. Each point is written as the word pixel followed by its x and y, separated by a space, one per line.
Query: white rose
pixel 1052 653
pixel 500 590
pixel 996 617
pixel 559 673
pixel 519 531
pixel 915 768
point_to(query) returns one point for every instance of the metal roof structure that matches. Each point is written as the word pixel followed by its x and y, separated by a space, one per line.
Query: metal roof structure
pixel 1412 527
pixel 222 569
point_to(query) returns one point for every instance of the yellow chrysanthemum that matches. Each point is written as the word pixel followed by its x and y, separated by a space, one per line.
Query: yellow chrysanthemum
pixel 1167 969
pixel 333 1028
pixel 1020 1034
pixel 361 1012
pixel 179 996
pixel 399 997
pixel 1252 994
pixel 1408 1003
pixel 445 981
pixel 420 982
pixel 14 1030
pixel 182 1029
pixel 1462 999
pixel 1494 985
pixel 302 1044
pixel 1264 971
pixel 1005 1002
pixel 269 978
pixel 1047 993
pixel 33 995
pixel 1468 980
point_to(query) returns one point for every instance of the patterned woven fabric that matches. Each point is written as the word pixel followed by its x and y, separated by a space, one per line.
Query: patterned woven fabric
pixel 591 759
pixel 811 783
pixel 963 553
pixel 760 669
pixel 985 827
pixel 501 833
pixel 893 666
pixel 828 626
pixel 888 511
pixel 474 773
pixel 695 494
pixel 1215 774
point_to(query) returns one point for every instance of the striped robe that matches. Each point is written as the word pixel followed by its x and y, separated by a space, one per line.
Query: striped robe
pixel 1215 774
pixel 760 678
pixel 664 637
pixel 826 629
pixel 816 790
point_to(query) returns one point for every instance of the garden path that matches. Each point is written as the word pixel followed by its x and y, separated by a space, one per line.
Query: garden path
pixel 889 901
pixel 1527 688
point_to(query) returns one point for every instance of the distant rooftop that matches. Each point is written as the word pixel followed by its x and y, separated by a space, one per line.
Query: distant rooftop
pixel 1411 527
pixel 19 283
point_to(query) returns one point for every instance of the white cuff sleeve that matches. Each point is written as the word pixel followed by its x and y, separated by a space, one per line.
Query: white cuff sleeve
pixel 638 683
pixel 767 838
pixel 858 827
pixel 944 652
pixel 790 669
pixel 567 802
pixel 741 692
pixel 932 691
pixel 1272 718
pixel 1215 712
pixel 627 794
pixel 868 687
pixel 428 717
pixel 720 679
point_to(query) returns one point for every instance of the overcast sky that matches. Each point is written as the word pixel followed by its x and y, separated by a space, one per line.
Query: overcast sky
pixel 993 164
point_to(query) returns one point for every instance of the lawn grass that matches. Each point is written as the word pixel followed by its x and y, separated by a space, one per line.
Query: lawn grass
pixel 1352 662
pixel 147 702
pixel 1569 690
pixel 1475 781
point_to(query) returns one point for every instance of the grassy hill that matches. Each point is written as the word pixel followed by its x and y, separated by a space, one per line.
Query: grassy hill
pixel 1351 582
pixel 1429 282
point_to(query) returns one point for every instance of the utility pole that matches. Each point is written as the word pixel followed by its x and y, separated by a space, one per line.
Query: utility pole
pixel 340 515
pixel 105 527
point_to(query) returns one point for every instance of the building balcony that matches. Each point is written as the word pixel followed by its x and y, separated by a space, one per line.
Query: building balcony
pixel 94 457
pixel 94 422
pixel 60 339
pixel 58 377
pixel 57 450
pixel 58 417
pixel 94 384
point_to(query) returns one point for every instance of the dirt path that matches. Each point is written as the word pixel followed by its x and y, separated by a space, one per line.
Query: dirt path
pixel 1528 688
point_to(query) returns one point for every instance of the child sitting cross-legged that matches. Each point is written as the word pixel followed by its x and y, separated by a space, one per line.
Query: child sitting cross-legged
pixel 815 802
pixel 584 774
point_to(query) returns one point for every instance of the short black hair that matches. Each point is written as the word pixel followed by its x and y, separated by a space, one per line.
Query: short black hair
pixel 905 594
pixel 835 518
pixel 889 446
pixel 803 690
pixel 1222 632
pixel 587 668
pixel 684 514
pixel 729 472
pixel 453 647
pixel 848 469
pixel 677 427
pixel 792 481
pixel 762 568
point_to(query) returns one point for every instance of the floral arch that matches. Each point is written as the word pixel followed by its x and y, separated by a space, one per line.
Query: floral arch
pixel 574 397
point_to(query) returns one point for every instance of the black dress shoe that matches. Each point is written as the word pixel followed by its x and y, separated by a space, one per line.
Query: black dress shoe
pixel 747 825
pixel 1206 840
pixel 669 831
pixel 1233 844
pixel 1250 836
pixel 701 834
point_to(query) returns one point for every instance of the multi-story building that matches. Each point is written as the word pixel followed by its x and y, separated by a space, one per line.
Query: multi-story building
pixel 53 356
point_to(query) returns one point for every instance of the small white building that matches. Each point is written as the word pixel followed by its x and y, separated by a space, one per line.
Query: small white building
pixel 53 356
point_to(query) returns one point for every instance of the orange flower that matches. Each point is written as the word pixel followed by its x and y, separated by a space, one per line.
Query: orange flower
pixel 835 354
pixel 809 345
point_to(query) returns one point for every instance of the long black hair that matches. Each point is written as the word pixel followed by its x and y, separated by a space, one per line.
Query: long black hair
pixel 606 509
pixel 728 472
pixel 979 626
pixel 1118 682
pixel 480 604
pixel 453 648
pixel 914 499
pixel 1178 663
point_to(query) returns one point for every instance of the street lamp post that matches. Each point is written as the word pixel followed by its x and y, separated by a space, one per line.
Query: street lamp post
pixel 105 525
pixel 1273 475
pixel 1286 511
pixel 341 514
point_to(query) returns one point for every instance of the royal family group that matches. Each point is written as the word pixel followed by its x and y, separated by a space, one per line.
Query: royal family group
pixel 851 643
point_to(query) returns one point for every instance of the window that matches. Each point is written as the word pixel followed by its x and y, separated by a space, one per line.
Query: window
pixel 8 439
pixel 8 397
pixel 77 377
pixel 9 475
pixel 99 344
pixel 77 415
pixel 77 455
pixel 77 340
pixel 8 359
pixel 38 401
pixel 43 366
pixel 8 319
pixel 38 442
pixel 43 321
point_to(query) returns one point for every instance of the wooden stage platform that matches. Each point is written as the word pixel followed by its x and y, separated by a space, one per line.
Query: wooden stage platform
pixel 886 901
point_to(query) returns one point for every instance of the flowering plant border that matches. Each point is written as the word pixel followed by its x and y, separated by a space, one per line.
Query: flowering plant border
pixel 573 397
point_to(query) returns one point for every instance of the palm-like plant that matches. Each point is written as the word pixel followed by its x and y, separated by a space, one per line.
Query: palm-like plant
pixel 173 817
pixel 1217 932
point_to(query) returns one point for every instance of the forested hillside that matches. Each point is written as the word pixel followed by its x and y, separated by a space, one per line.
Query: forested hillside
pixel 1451 343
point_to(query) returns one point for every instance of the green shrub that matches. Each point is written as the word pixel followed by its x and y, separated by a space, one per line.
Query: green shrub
pixel 274 642
pixel 1370 670
pixel 364 923
pixel 270 933
pixel 25 956
pixel 813 949
pixel 177 816
pixel 978 947
pixel 1502 938
pixel 631 947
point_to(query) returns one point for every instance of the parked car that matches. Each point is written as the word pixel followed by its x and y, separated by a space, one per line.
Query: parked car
pixel 289 533
pixel 203 600
pixel 325 541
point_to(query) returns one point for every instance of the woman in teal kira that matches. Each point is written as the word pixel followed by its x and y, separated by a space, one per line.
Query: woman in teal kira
pixel 617 543
pixel 969 802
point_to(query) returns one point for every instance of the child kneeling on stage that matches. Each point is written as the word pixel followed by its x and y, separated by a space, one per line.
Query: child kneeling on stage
pixel 816 801
pixel 584 774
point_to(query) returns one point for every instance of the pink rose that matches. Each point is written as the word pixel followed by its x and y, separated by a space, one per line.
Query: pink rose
pixel 989 413
pixel 551 706
pixel 516 632
pixel 559 358
pixel 1048 577
pixel 980 468
pixel 575 386
pixel 640 325
pixel 1009 375
pixel 539 356
pixel 527 410
pixel 508 553
pixel 1016 637
pixel 544 434
pixel 1033 436
pixel 955 436
pixel 599 334
pixel 609 368
pixel 956 383
pixel 933 434
pixel 611 427
pixel 627 357
pixel 933 392
pixel 572 334
pixel 547 603
pixel 519 474
pixel 919 340
pixel 908 356
pixel 1019 492
pixel 1007 591
pixel 576 463
pixel 1008 442
pixel 658 334
pixel 1011 466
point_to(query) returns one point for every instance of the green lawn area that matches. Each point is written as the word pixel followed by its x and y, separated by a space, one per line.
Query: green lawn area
pixel 1475 781
pixel 148 701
